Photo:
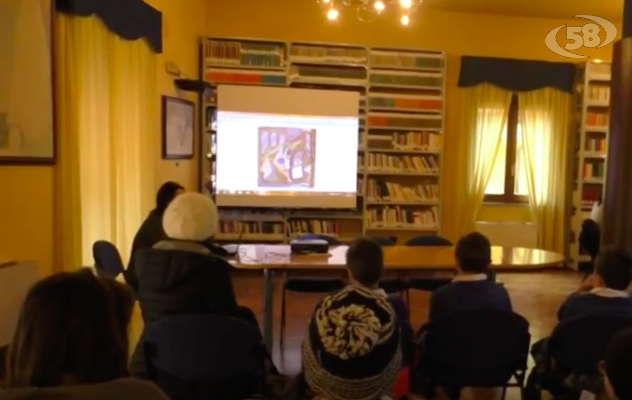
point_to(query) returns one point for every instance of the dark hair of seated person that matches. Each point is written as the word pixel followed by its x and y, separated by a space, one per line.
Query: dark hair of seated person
pixel 165 195
pixel 614 267
pixel 365 261
pixel 72 330
pixel 473 253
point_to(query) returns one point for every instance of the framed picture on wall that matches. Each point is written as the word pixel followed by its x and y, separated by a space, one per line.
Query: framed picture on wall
pixel 27 130
pixel 178 124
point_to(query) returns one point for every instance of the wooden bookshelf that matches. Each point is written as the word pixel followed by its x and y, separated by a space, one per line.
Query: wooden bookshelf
pixel 592 92
pixel 402 108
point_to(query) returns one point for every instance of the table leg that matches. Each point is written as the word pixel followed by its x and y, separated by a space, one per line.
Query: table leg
pixel 268 308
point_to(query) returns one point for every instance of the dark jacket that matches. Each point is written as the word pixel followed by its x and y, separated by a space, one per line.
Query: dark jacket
pixel 589 304
pixel 149 233
pixel 458 296
pixel 177 277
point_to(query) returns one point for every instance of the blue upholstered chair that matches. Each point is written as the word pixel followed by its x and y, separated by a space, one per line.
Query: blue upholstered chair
pixel 205 356
pixel 107 259
pixel 428 284
pixel 308 284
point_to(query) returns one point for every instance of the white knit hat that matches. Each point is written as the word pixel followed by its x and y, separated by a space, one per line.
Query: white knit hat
pixel 190 216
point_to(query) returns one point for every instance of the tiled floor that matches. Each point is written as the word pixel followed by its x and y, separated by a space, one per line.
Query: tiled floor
pixel 536 296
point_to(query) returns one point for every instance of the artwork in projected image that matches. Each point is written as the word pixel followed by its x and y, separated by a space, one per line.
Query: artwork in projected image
pixel 26 91
pixel 286 157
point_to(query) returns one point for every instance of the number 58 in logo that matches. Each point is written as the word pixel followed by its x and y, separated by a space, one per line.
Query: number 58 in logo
pixel 582 36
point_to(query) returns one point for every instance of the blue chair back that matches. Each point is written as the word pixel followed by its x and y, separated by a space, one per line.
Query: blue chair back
pixel 428 240
pixel 107 259
pixel 203 347
pixel 580 343
pixel 332 241
pixel 385 240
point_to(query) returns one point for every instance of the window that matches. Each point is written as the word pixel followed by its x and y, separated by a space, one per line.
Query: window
pixel 508 182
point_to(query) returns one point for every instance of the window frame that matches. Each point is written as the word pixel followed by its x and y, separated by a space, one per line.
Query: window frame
pixel 510 163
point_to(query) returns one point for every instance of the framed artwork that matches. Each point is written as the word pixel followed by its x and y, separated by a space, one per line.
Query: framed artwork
pixel 178 124
pixel 27 129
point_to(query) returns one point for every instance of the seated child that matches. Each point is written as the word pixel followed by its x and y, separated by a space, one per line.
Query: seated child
pixel 352 349
pixel 605 292
pixel 471 288
pixel 365 264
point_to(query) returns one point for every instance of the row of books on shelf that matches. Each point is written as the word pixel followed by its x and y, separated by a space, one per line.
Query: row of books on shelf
pixel 326 71
pixel 403 217
pixel 248 54
pixel 595 170
pixel 407 79
pixel 306 53
pixel 384 191
pixel 300 227
pixel 596 119
pixel 599 93
pixel 595 144
pixel 405 60
pixel 250 227
pixel 390 163
pixel 422 141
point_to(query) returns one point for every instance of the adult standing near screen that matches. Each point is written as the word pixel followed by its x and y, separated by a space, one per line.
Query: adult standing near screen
pixel 151 231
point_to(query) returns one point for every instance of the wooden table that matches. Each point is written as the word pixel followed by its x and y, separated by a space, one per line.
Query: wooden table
pixel 402 259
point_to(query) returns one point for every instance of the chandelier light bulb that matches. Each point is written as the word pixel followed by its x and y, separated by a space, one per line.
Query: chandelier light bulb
pixel 326 1
pixel 332 14
pixel 405 20
pixel 379 5
pixel 404 3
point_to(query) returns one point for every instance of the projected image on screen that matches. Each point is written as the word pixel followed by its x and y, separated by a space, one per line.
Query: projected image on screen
pixel 286 157
pixel 286 148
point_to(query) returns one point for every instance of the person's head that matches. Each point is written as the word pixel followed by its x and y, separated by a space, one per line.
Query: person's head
pixel 613 268
pixel 590 237
pixel 617 367
pixel 192 217
pixel 72 329
pixel 167 192
pixel 473 253
pixel 352 348
pixel 365 261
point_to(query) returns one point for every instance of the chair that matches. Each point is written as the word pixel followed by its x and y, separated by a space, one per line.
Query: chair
pixel 578 345
pixel 428 284
pixel 107 259
pixel 309 284
pixel 475 348
pixel 204 356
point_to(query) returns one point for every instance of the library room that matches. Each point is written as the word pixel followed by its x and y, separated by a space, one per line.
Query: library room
pixel 316 199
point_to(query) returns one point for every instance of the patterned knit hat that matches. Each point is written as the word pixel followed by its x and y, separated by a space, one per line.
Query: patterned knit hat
pixel 352 347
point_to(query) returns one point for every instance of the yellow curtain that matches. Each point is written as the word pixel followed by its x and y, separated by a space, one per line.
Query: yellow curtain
pixel 485 109
pixel 107 117
pixel 545 120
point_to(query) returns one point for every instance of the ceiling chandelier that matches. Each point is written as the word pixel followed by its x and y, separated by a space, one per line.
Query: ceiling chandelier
pixel 370 10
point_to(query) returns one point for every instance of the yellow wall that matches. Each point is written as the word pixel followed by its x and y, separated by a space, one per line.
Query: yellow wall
pixel 26 215
pixel 454 33
pixel 183 25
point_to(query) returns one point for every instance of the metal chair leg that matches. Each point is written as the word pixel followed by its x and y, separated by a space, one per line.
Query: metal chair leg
pixel 282 333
